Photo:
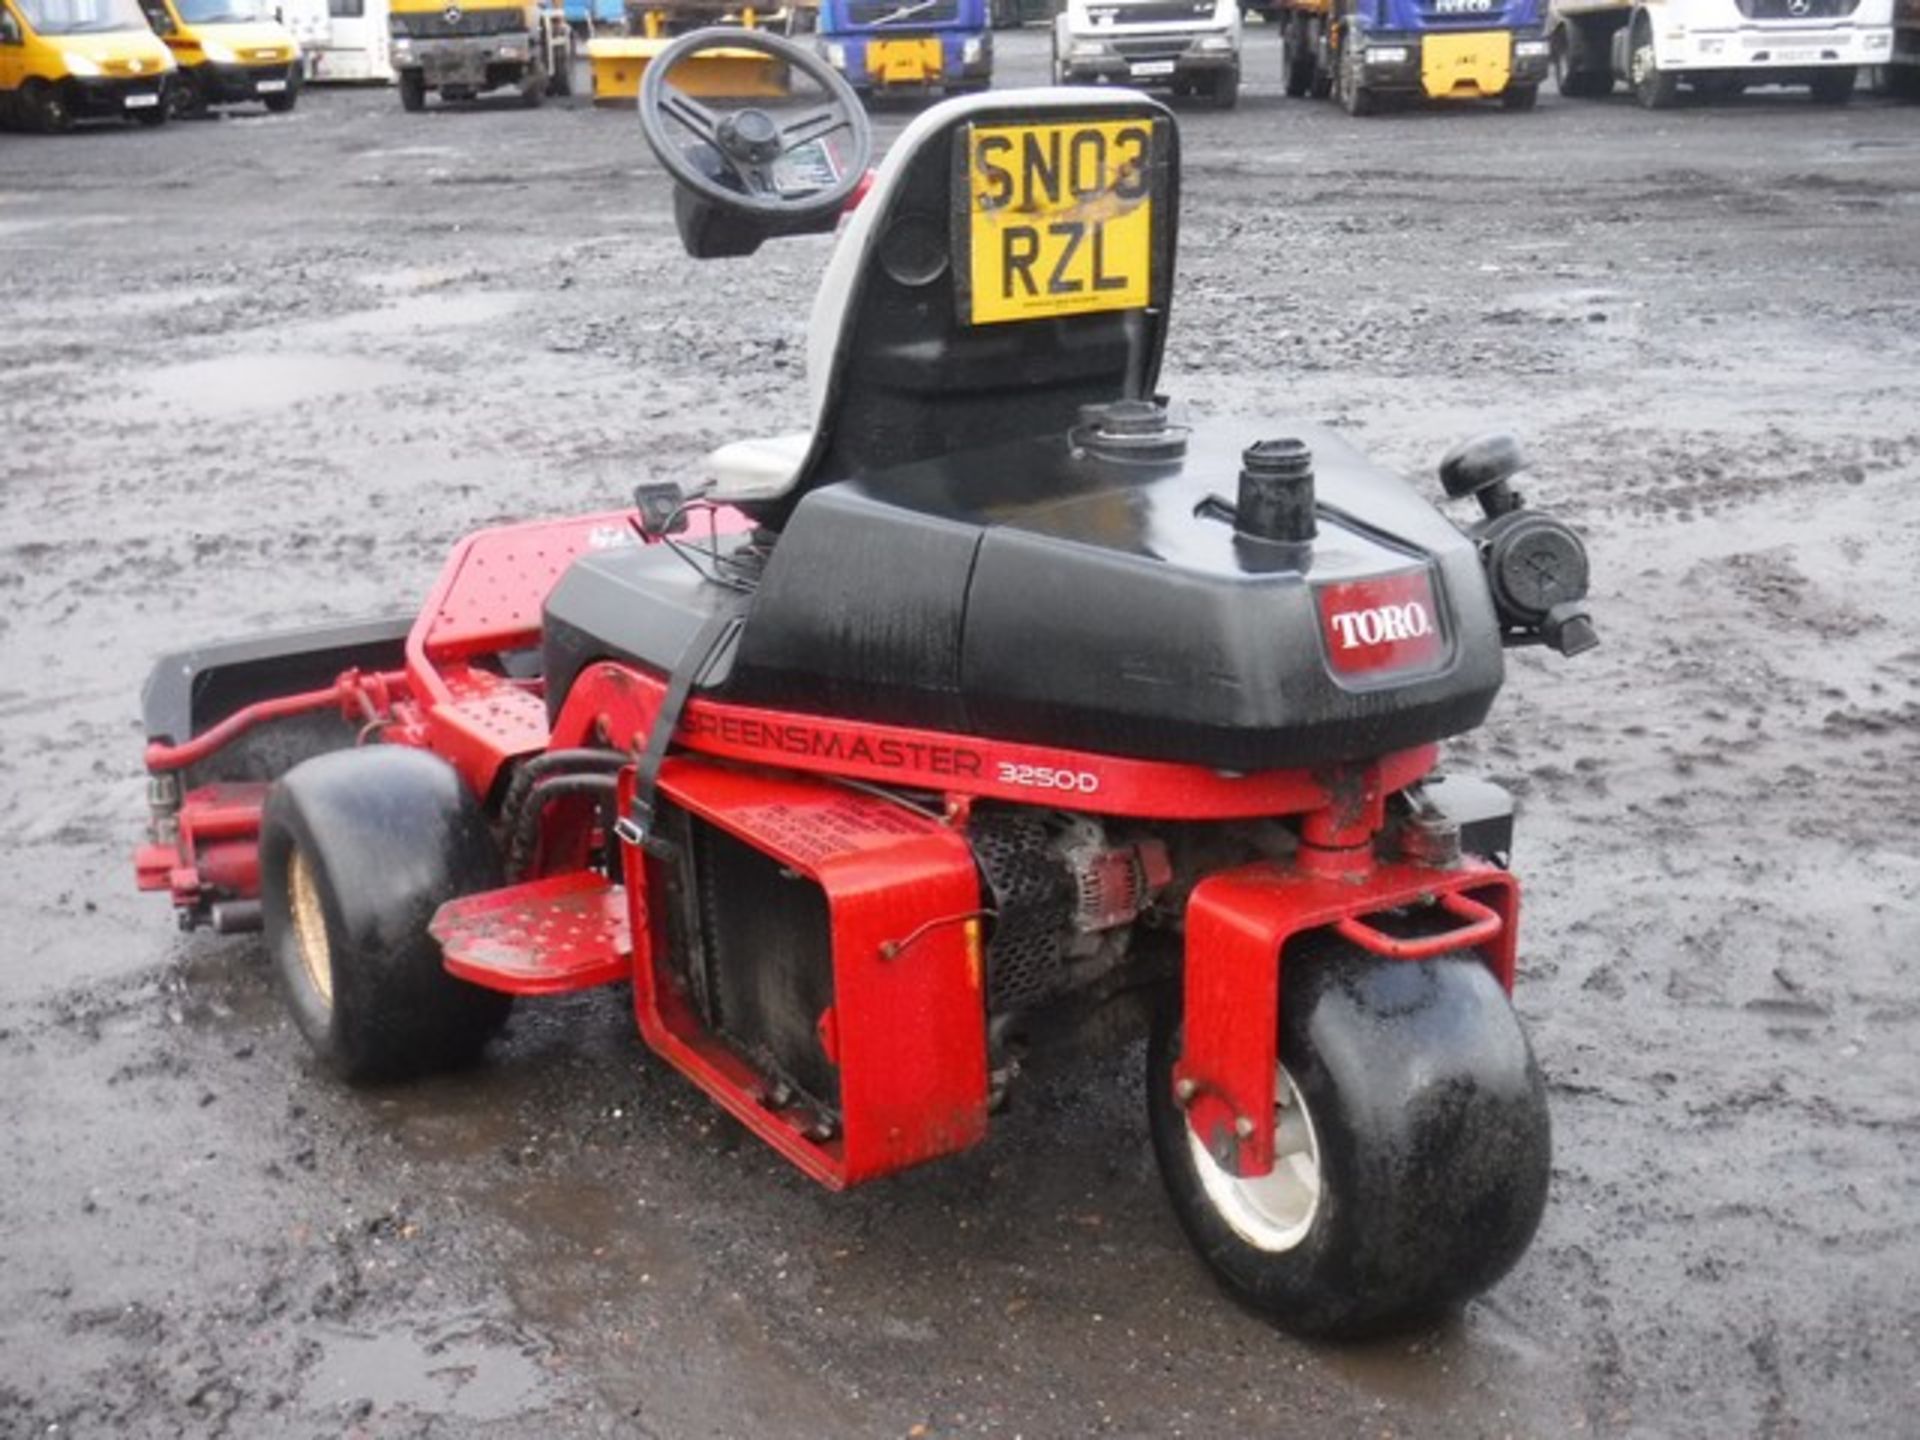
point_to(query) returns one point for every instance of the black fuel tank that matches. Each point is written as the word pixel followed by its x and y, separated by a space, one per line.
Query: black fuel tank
pixel 1036 592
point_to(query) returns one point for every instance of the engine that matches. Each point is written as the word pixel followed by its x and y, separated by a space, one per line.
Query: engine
pixel 1064 895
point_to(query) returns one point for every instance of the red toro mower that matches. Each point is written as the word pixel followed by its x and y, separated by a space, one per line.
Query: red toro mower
pixel 998 707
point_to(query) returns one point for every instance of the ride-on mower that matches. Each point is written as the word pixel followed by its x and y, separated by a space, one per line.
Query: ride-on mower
pixel 999 708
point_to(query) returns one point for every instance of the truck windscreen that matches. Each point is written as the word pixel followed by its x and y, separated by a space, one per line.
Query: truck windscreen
pixel 81 17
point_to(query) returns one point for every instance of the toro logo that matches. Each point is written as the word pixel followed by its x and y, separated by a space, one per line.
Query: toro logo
pixel 1379 625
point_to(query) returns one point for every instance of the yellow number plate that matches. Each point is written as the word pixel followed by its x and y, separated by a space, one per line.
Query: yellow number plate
pixel 1060 219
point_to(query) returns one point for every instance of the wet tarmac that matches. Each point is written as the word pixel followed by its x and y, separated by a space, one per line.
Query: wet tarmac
pixel 258 372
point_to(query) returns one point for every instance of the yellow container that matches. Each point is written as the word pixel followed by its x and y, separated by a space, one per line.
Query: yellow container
pixel 725 74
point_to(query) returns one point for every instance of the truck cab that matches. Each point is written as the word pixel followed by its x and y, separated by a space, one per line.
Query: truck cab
pixel 908 47
pixel 1366 52
pixel 460 51
pixel 1717 47
pixel 62 60
pixel 230 52
pixel 1190 47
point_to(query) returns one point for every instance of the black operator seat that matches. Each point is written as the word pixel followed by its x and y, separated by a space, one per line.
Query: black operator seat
pixel 896 373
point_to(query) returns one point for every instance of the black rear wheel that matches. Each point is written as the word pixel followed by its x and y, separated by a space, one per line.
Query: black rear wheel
pixel 1520 97
pixel 1411 1139
pixel 413 90
pixel 358 848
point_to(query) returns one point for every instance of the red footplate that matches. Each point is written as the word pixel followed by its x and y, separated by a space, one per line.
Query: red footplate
pixel 547 937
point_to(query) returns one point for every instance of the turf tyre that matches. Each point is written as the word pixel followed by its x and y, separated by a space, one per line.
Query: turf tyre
pixel 1431 1141
pixel 358 849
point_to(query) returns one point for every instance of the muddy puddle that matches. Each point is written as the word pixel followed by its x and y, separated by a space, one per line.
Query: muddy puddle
pixel 1719 831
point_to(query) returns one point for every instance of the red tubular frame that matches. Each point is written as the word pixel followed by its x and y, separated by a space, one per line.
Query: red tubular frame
pixel 1238 926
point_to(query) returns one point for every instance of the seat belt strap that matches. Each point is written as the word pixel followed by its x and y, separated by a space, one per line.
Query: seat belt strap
pixel 716 632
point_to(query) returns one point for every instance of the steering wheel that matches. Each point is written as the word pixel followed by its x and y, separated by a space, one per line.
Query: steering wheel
pixel 745 148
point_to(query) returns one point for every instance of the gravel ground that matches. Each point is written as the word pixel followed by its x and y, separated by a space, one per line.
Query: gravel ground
pixel 261 371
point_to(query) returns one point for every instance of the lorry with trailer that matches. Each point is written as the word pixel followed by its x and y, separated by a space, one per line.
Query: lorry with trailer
pixel 80 59
pixel 1366 52
pixel 229 52
pixel 461 50
pixel 1717 47
pixel 908 47
pixel 1190 47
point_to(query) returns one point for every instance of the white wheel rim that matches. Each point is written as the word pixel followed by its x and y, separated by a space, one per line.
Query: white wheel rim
pixel 310 926
pixel 1271 1212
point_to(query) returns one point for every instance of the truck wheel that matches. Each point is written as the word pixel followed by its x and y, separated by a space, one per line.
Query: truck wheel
pixel 1582 69
pixel 413 91
pixel 46 108
pixel 1224 90
pixel 533 90
pixel 1296 60
pixel 560 82
pixel 1355 98
pixel 358 848
pixel 284 102
pixel 1519 97
pixel 189 102
pixel 1654 88
pixel 1412 1140
pixel 1903 81
pixel 1833 87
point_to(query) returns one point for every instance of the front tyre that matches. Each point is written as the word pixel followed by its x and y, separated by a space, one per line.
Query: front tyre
pixel 358 849
pixel 1833 87
pixel 1654 88
pixel 1412 1147
pixel 413 90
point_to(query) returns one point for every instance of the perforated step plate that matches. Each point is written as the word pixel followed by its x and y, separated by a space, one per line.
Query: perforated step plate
pixel 547 937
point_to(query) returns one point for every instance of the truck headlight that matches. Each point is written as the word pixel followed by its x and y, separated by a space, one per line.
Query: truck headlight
pixel 510 51
pixel 1386 55
pixel 217 53
pixel 970 50
pixel 1086 50
pixel 837 56
pixel 79 65
pixel 403 44
pixel 1529 49
pixel 1214 44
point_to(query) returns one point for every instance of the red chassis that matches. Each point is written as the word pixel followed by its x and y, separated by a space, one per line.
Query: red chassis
pixel 906 1029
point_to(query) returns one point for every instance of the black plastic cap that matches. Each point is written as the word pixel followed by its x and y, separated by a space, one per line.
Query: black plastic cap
pixel 1480 463
pixel 1276 492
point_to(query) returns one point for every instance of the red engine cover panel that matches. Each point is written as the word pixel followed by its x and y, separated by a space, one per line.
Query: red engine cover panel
pixel 1380 626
